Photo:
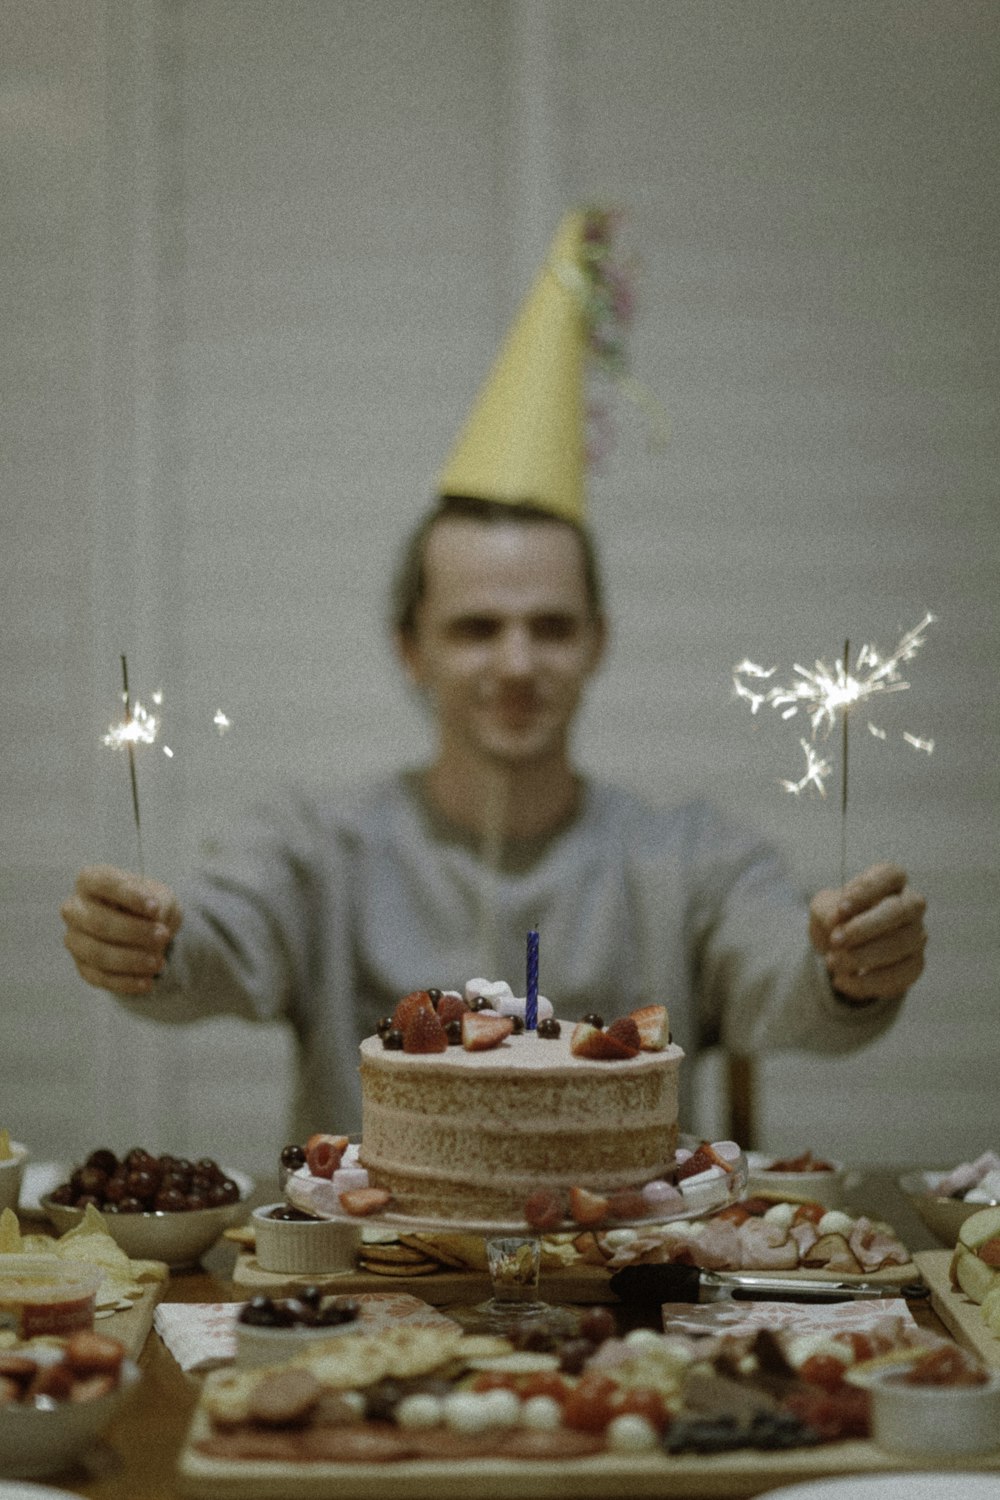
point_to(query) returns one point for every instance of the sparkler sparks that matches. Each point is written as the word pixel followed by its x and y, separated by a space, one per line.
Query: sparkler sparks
pixel 141 727
pixel 825 694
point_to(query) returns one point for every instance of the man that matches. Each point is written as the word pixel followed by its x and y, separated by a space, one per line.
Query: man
pixel 334 907
pixel 330 915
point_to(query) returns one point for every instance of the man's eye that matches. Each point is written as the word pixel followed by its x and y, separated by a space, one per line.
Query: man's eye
pixel 554 628
pixel 472 628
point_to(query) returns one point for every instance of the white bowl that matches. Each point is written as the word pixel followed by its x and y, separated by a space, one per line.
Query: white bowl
pixel 11 1172
pixel 943 1216
pixel 304 1247
pixel 932 1421
pixel 796 1187
pixel 179 1239
pixel 36 1442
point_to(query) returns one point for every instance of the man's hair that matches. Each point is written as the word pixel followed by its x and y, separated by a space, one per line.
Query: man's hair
pixel 410 582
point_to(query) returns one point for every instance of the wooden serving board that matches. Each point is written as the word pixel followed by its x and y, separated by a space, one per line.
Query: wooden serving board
pixel 578 1284
pixel 961 1316
pixel 132 1324
pixel 733 1475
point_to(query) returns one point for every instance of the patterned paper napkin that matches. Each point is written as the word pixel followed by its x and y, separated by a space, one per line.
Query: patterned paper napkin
pixel 862 1315
pixel 202 1335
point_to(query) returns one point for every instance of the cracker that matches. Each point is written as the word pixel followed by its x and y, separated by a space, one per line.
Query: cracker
pixel 380 1268
pixel 399 1254
pixel 412 1351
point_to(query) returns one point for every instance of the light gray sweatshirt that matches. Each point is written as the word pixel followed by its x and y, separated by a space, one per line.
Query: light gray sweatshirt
pixel 326 912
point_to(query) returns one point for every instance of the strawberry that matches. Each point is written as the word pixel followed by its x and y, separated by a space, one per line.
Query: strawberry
pixel 324 1154
pixel 587 1207
pixel 423 1032
pixel 590 1042
pixel 451 1008
pixel 626 1031
pixel 362 1201
pixel 653 1022
pixel 408 1007
pixel 544 1209
pixel 989 1251
pixel 480 1032
pixel 706 1156
pixel 627 1203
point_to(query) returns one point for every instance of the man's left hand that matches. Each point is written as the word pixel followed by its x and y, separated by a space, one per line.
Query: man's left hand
pixel 871 934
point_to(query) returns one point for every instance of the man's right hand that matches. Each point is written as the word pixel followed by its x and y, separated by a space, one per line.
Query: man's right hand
pixel 118 928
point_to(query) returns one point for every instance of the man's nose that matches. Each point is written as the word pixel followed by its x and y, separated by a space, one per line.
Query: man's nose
pixel 516 653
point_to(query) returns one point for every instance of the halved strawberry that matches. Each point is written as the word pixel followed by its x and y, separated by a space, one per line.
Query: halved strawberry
pixel 480 1032
pixel 627 1203
pixel 626 1031
pixel 653 1022
pixel 362 1201
pixel 324 1153
pixel 593 1043
pixel 408 1007
pixel 544 1209
pixel 587 1207
pixel 700 1160
pixel 424 1033
pixel 451 1008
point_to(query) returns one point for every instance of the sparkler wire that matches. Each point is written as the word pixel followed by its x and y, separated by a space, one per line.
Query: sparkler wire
pixel 130 747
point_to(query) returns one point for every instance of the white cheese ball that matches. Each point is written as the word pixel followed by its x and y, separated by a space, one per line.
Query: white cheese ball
pixel 781 1214
pixel 631 1433
pixel 541 1414
pixel 477 1411
pixel 419 1411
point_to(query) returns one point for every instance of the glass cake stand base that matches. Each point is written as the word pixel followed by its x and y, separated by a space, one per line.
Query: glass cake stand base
pixel 514 1262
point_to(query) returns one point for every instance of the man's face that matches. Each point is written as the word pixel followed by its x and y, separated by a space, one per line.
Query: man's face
pixel 504 640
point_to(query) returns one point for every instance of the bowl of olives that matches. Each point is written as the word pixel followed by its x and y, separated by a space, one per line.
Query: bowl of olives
pixel 272 1329
pixel 163 1208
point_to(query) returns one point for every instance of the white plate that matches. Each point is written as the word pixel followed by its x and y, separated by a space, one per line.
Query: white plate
pixel 944 1486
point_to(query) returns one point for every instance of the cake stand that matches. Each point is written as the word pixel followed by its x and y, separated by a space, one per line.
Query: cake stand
pixel 513 1249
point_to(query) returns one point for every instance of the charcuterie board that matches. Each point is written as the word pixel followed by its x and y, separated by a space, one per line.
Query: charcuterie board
pixel 739 1474
pixel 962 1317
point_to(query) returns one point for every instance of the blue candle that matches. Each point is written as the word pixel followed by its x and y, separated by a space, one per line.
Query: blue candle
pixel 531 1003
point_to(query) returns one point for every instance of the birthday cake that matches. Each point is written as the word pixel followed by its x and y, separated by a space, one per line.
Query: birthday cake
pixel 470 1132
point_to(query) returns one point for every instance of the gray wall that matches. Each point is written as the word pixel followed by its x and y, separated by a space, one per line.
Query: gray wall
pixel 257 258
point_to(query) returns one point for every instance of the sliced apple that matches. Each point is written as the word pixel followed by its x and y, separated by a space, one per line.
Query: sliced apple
pixel 972 1275
pixel 980 1227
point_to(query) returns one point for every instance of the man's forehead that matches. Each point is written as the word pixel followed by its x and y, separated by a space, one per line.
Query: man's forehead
pixel 538 561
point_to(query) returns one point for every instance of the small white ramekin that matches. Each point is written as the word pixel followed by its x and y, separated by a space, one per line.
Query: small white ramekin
pixel 307 1247
pixel 928 1421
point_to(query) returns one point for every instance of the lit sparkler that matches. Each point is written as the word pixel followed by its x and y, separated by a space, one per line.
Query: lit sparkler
pixel 825 694
pixel 141 727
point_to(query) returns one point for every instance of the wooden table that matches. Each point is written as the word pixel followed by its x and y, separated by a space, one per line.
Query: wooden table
pixel 138 1458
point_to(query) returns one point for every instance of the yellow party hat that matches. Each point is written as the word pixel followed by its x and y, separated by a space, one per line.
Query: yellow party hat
pixel 525 439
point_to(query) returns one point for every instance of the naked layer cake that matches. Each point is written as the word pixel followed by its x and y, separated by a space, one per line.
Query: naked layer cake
pixel 468 1135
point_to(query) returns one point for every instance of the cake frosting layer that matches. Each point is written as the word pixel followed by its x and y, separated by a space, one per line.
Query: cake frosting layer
pixel 469 1135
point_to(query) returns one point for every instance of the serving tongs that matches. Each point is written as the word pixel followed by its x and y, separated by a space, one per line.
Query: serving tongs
pixel 656 1284
pixel 758 1286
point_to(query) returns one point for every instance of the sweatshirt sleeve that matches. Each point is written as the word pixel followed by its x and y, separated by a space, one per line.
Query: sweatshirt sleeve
pixel 245 944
